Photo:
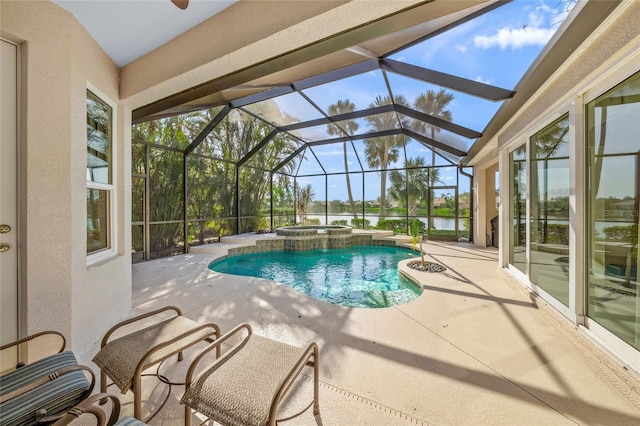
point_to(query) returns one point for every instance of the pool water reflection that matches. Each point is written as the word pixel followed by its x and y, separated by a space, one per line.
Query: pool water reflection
pixel 360 276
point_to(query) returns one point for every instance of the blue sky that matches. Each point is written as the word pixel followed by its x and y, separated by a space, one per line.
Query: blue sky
pixel 495 48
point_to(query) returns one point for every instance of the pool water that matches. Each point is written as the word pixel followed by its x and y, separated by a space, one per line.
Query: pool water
pixel 360 276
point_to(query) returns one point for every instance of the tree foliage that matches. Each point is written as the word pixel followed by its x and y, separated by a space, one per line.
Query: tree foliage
pixel 344 106
pixel 227 178
pixel 381 151
pixel 304 196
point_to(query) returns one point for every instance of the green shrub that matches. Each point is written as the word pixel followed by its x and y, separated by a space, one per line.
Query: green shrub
pixel 415 231
pixel 360 223
pixel 621 233
pixel 263 223
pixel 339 223
pixel 442 235
pixel 398 226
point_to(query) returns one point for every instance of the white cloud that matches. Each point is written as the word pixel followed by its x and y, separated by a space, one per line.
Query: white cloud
pixel 537 18
pixel 515 38
pixel 330 152
pixel 461 47
pixel 479 79
pixel 537 31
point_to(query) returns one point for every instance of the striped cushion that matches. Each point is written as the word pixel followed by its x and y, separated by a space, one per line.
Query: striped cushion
pixel 129 421
pixel 54 396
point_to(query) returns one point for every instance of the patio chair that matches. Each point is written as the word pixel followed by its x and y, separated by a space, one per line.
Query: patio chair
pixel 90 407
pixel 246 385
pixel 124 359
pixel 43 390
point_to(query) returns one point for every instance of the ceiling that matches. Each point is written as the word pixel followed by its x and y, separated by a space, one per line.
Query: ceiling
pixel 128 29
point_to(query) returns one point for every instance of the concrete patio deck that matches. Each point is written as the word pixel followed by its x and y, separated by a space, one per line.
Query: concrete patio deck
pixel 475 348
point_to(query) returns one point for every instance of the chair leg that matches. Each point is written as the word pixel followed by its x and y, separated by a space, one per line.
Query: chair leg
pixel 187 416
pixel 316 383
pixel 103 386
pixel 137 397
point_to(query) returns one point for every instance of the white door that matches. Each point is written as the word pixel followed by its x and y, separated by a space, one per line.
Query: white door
pixel 8 200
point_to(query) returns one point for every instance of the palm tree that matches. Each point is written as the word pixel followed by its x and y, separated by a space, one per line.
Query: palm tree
pixel 304 195
pixel 380 151
pixel 351 126
pixel 434 104
pixel 411 185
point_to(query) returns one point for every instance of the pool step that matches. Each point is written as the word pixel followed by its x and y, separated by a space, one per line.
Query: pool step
pixel 362 291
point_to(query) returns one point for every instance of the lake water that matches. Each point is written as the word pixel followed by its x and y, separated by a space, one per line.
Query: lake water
pixel 441 223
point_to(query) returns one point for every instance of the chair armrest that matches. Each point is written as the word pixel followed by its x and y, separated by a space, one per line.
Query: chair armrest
pixel 216 332
pixel 34 337
pixel 105 339
pixel 304 360
pixel 215 345
pixel 89 406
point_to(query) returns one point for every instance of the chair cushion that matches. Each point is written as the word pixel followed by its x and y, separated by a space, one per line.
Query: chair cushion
pixel 120 357
pixel 238 388
pixel 55 396
pixel 129 421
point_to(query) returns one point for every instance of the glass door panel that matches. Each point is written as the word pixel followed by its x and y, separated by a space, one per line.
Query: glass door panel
pixel 613 209
pixel 518 208
pixel 549 227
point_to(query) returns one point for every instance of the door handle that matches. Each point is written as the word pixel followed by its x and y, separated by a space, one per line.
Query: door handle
pixel 4 229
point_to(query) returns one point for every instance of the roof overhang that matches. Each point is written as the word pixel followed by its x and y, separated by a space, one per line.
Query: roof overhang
pixel 373 39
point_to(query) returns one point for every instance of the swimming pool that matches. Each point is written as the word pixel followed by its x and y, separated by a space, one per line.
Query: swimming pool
pixel 359 276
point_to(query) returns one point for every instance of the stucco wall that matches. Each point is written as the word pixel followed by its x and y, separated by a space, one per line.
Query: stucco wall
pixel 58 60
pixel 484 204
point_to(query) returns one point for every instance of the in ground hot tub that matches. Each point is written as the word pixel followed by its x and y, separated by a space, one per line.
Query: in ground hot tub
pixel 315 237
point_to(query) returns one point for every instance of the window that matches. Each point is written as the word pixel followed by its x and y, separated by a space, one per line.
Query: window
pixel 99 174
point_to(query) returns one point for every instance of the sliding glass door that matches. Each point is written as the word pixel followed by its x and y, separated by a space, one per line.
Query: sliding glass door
pixel 613 149
pixel 518 208
pixel 549 225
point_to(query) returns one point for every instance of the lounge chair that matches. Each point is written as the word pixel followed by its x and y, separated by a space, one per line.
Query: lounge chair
pixel 43 390
pixel 246 385
pixel 124 359
pixel 90 407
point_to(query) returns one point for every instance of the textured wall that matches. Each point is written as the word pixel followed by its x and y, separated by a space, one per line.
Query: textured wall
pixel 58 60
